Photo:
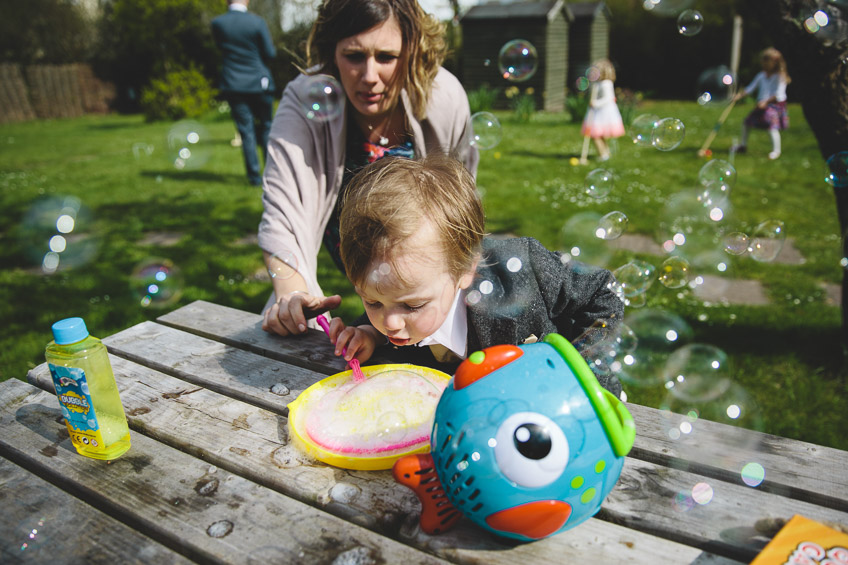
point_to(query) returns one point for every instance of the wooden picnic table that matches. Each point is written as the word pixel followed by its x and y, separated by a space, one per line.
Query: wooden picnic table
pixel 211 476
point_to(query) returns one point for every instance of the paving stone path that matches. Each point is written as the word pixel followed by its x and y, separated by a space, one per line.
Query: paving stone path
pixel 730 291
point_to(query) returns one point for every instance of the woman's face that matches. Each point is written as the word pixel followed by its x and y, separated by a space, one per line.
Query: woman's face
pixel 368 67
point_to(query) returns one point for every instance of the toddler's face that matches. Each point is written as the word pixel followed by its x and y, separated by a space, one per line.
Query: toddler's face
pixel 407 312
pixel 770 64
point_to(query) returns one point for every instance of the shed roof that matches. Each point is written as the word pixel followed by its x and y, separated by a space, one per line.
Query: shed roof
pixel 496 11
pixel 589 10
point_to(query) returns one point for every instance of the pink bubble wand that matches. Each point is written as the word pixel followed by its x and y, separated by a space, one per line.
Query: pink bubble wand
pixel 358 377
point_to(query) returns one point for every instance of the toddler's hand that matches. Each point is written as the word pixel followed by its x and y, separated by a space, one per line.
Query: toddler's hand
pixel 359 341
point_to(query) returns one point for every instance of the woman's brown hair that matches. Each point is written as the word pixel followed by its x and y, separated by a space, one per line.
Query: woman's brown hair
pixel 424 46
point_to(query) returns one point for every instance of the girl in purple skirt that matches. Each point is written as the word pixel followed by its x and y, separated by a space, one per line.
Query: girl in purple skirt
pixel 770 111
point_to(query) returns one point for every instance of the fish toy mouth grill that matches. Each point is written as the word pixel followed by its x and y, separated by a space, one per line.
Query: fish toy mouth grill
pixel 456 473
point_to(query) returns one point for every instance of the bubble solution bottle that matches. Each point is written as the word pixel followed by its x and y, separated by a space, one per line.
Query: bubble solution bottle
pixel 85 386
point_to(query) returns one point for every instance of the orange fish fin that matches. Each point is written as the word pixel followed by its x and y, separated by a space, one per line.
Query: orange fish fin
pixel 419 473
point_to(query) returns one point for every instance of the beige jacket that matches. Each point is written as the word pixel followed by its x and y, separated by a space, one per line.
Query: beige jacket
pixel 306 158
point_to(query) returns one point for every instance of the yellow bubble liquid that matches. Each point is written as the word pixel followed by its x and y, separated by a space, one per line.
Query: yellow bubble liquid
pixel 86 389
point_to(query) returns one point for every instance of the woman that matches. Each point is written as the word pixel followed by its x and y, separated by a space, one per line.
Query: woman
pixel 387 54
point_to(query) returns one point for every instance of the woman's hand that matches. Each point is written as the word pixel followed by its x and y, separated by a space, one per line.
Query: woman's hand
pixel 289 314
pixel 360 341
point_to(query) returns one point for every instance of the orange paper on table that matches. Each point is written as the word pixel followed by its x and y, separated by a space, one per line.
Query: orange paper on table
pixel 805 542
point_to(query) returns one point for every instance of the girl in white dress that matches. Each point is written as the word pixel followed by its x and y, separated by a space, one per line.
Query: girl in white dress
pixel 603 119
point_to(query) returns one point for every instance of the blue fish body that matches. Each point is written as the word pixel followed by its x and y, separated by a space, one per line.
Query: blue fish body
pixel 525 442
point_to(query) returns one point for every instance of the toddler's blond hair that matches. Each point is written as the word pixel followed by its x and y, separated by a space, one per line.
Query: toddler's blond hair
pixel 387 202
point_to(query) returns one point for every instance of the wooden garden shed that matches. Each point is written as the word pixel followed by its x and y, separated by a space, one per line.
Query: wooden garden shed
pixel 487 27
pixel 588 38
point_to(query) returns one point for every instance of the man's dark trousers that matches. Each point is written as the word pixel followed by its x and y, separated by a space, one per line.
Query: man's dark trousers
pixel 252 113
pixel 246 81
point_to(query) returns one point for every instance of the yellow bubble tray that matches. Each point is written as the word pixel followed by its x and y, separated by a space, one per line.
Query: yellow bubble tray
pixel 367 425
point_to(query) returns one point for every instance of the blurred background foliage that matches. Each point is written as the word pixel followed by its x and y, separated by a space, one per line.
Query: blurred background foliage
pixel 132 43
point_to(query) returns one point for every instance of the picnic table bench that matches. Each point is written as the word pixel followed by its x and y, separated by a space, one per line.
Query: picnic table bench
pixel 212 478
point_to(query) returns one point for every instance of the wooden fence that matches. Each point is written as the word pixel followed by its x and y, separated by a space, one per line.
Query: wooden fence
pixel 51 91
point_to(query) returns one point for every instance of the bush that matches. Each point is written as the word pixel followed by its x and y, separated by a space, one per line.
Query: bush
pixel 482 99
pixel 628 101
pixel 576 104
pixel 179 94
pixel 142 40
pixel 523 105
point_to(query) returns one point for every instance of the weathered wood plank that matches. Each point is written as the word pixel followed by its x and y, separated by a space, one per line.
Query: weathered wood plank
pixel 793 468
pixel 232 371
pixel 721 517
pixel 43 524
pixel 206 513
pixel 244 329
pixel 253 443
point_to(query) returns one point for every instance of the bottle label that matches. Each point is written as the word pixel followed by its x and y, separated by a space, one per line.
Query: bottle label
pixel 72 390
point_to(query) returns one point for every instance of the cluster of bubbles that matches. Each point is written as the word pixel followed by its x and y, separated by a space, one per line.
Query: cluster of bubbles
pixel 827 22
pixel 518 60
pixel 496 292
pixel 156 282
pixel 701 404
pixel 763 245
pixel 652 347
pixel 579 240
pixel 56 233
pixel 31 536
pixel 696 231
pixel 189 144
pixel 664 134
pixel 715 85
pixel 589 76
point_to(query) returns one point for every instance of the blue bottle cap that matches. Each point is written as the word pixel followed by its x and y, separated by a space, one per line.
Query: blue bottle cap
pixel 69 330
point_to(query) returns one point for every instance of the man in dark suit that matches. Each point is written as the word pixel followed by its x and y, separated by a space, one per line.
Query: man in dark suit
pixel 246 80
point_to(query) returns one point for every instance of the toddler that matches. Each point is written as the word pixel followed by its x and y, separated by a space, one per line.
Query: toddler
pixel 603 119
pixel 413 245
pixel 770 111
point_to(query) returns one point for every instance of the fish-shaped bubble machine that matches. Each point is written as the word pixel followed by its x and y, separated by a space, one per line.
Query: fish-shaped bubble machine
pixel 525 443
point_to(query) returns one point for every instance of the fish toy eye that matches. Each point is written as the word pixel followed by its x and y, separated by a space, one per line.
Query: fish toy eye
pixel 531 450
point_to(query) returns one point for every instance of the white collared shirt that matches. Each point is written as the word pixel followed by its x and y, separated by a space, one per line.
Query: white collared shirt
pixel 236 7
pixel 453 333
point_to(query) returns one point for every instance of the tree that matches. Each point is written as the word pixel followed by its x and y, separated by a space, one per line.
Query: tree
pixel 44 32
pixel 143 39
pixel 816 60
pixel 652 56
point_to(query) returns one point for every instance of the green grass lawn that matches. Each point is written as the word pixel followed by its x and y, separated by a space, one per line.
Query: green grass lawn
pixel 785 354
